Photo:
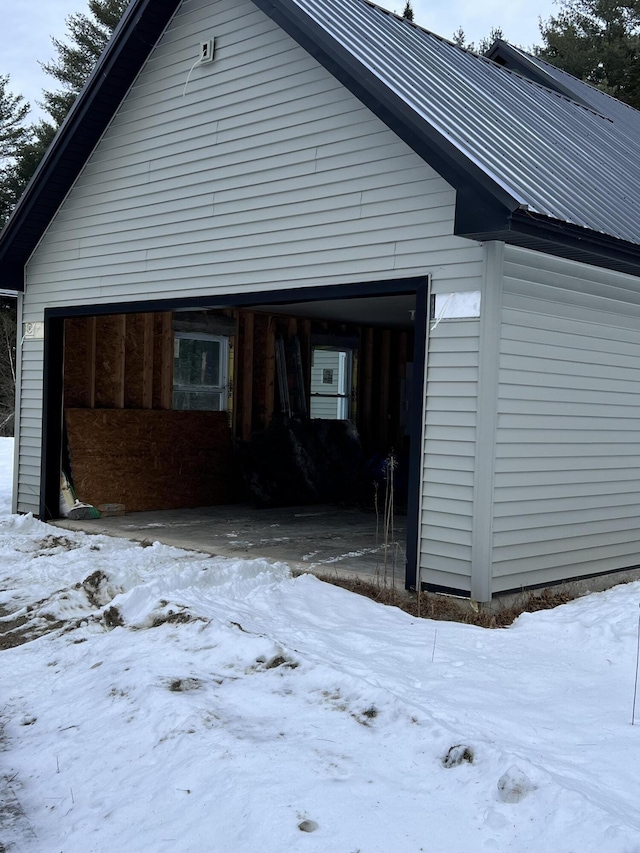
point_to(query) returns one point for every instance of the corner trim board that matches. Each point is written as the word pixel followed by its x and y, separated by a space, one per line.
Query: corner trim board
pixel 486 424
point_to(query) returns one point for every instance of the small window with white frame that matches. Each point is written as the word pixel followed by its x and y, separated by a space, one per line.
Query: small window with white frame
pixel 330 383
pixel 200 368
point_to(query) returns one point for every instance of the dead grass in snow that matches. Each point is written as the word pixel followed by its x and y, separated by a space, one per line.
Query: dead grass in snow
pixel 449 608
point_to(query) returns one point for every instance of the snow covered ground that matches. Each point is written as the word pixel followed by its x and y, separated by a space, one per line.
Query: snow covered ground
pixel 238 710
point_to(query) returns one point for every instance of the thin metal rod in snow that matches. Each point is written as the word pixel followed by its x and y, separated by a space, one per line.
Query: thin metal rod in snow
pixel 635 684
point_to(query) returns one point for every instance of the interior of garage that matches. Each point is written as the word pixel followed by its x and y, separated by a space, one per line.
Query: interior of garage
pixel 263 407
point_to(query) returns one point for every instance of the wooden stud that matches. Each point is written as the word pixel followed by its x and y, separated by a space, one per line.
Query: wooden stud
pixel 119 360
pixel 147 361
pixel 403 357
pixel 270 371
pixel 235 370
pixel 366 369
pixel 355 380
pixel 304 333
pixel 247 375
pixel 403 350
pixel 383 410
pixel 91 362
pixel 230 404
pixel 166 366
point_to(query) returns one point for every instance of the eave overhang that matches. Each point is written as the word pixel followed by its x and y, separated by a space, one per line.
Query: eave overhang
pixel 542 234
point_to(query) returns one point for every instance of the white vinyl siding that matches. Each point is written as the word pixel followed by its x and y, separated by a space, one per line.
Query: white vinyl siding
pixel 29 427
pixel 449 457
pixel 567 467
pixel 262 173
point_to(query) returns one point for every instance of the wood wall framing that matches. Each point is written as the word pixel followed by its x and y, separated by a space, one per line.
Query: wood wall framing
pixel 127 445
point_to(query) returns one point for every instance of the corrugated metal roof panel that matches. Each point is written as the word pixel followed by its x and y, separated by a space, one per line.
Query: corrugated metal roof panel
pixel 553 155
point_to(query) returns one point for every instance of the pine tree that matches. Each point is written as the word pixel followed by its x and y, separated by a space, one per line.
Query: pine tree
pixel 486 42
pixel 599 42
pixel 8 340
pixel 87 37
pixel 14 137
pixel 17 174
pixel 460 39
pixel 408 11
pixel 13 111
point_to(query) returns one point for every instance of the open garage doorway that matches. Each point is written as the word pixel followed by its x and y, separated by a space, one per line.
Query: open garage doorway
pixel 260 422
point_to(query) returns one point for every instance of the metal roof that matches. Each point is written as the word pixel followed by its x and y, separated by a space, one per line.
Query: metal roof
pixel 536 159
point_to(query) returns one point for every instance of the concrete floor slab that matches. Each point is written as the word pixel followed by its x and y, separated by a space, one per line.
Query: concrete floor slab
pixel 324 540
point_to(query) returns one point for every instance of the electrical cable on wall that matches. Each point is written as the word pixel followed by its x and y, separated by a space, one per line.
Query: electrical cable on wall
pixel 204 58
pixel 442 311
pixel 197 62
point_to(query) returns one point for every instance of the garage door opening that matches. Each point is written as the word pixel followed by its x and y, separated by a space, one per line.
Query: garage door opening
pixel 222 412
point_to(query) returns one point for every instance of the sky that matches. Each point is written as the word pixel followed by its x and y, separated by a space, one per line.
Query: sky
pixel 28 25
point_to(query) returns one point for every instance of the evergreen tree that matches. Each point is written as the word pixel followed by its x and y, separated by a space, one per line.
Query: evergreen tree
pixel 408 11
pixel 599 42
pixel 8 340
pixel 13 111
pixel 14 136
pixel 460 39
pixel 15 177
pixel 87 37
pixel 485 43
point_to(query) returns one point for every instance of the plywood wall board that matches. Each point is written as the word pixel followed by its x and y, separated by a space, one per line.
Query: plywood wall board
pixel 151 460
pixel 75 361
pixel 134 361
pixel 107 361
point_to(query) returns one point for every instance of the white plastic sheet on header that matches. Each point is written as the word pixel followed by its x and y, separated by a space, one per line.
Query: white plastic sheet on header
pixel 456 306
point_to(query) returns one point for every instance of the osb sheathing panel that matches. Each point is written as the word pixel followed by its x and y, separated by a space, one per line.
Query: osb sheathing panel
pixel 108 332
pixel 116 374
pixel 134 360
pixel 150 460
pixel 75 362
